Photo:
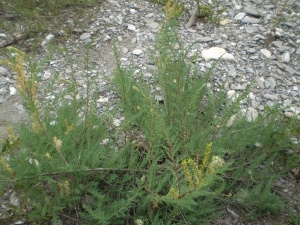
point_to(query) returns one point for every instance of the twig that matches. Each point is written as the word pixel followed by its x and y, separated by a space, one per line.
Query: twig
pixel 72 171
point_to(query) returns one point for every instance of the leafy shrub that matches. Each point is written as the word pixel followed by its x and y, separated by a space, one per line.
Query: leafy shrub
pixel 173 161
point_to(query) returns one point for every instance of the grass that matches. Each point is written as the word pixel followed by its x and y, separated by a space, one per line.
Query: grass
pixel 176 161
pixel 28 22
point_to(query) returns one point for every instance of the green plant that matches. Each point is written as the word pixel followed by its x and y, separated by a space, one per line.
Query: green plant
pixel 27 19
pixel 208 11
pixel 172 161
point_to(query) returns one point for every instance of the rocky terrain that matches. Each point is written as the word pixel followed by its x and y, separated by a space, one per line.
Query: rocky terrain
pixel 261 54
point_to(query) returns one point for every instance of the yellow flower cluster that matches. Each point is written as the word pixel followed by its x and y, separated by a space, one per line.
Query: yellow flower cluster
pixel 173 193
pixel 12 137
pixel 69 128
pixel 138 222
pixel 196 176
pixel 193 173
pixel 172 10
pixel 7 167
pixel 57 143
pixel 26 87
pixel 64 187
pixel 216 162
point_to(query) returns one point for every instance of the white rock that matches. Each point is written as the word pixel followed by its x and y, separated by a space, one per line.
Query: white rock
pixel 285 57
pixel 105 141
pixel 119 20
pixel 250 113
pixel 266 52
pixel 153 25
pixel 124 50
pixel 228 56
pixel 132 11
pixel 240 16
pixel 47 39
pixel 14 199
pixel 139 37
pixel 215 53
pixel 225 21
pixel 12 90
pixel 137 52
pixel 131 27
pixel 52 123
pixel 102 100
pixel 231 97
pixel 46 75
pixel 85 36
pixel 230 121
pixel 251 96
pixel 117 122
pixel 295 110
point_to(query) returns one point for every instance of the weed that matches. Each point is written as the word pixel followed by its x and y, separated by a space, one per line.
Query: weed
pixel 208 11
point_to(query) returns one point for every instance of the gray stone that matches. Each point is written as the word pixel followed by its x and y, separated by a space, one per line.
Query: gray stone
pixel 269 6
pixel 218 42
pixel 249 19
pixel 1 100
pixel 153 25
pixel 4 72
pixel 3 35
pixel 271 97
pixel 14 199
pixel 204 39
pixel 290 70
pixel 47 39
pixel 282 48
pixel 152 67
pixel 266 53
pixel 231 71
pixel 85 36
pixel 253 12
pixel 277 43
pixel 19 222
pixel 132 11
pixel 290 24
pixel 231 120
pixel 251 50
pixel 240 87
pixel 251 30
pixel 250 113
pixel 240 16
pixel 260 37
pixel 294 93
pixel 285 57
pixel 124 50
pixel 287 102
pixel 119 19
pixel 149 15
pixel 249 69
pixel 137 52
pixel 259 82
pixel 131 27
pixel 192 19
pixel 270 83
